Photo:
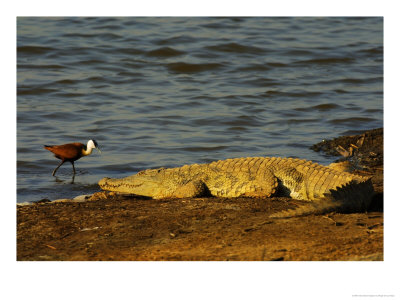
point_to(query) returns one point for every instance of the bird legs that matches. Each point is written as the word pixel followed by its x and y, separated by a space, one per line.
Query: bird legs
pixel 73 167
pixel 63 161
pixel 55 170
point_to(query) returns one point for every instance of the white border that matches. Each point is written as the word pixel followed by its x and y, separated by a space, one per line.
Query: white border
pixel 202 280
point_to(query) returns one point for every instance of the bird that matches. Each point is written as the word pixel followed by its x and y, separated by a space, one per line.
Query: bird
pixel 71 152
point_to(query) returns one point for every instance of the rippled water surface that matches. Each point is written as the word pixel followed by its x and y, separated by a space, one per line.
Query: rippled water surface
pixel 171 91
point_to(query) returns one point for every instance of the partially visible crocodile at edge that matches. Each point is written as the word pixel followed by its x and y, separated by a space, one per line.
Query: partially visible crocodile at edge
pixel 325 189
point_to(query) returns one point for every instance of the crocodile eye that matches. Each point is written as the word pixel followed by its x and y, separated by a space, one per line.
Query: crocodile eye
pixel 160 169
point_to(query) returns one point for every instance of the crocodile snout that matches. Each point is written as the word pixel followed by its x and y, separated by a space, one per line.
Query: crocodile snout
pixel 103 181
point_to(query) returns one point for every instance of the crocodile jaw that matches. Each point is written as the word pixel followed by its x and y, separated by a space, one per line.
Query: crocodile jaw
pixel 135 184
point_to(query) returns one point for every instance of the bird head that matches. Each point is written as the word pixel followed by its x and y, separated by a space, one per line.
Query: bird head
pixel 93 144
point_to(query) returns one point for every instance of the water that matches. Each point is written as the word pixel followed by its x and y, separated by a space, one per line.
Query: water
pixel 170 91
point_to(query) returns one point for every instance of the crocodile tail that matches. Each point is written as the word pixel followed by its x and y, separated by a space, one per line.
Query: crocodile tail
pixel 351 197
pixel 354 196
pixel 317 207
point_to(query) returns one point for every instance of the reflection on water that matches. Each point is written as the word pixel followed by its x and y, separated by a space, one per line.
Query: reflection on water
pixel 171 91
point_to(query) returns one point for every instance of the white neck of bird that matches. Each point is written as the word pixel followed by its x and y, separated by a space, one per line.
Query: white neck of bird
pixel 87 151
pixel 89 148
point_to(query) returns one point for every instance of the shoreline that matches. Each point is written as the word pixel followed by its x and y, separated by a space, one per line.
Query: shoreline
pixel 107 226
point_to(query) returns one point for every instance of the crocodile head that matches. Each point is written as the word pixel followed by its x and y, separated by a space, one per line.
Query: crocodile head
pixel 148 183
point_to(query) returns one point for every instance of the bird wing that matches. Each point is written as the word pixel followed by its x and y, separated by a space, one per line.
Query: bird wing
pixel 67 151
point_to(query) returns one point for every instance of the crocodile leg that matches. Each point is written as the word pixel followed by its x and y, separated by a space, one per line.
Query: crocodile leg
pixel 192 189
pixel 292 183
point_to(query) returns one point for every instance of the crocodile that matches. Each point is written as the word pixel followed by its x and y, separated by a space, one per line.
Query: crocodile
pixel 325 189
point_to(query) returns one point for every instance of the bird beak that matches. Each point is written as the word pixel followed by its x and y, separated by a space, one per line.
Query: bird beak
pixel 98 149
